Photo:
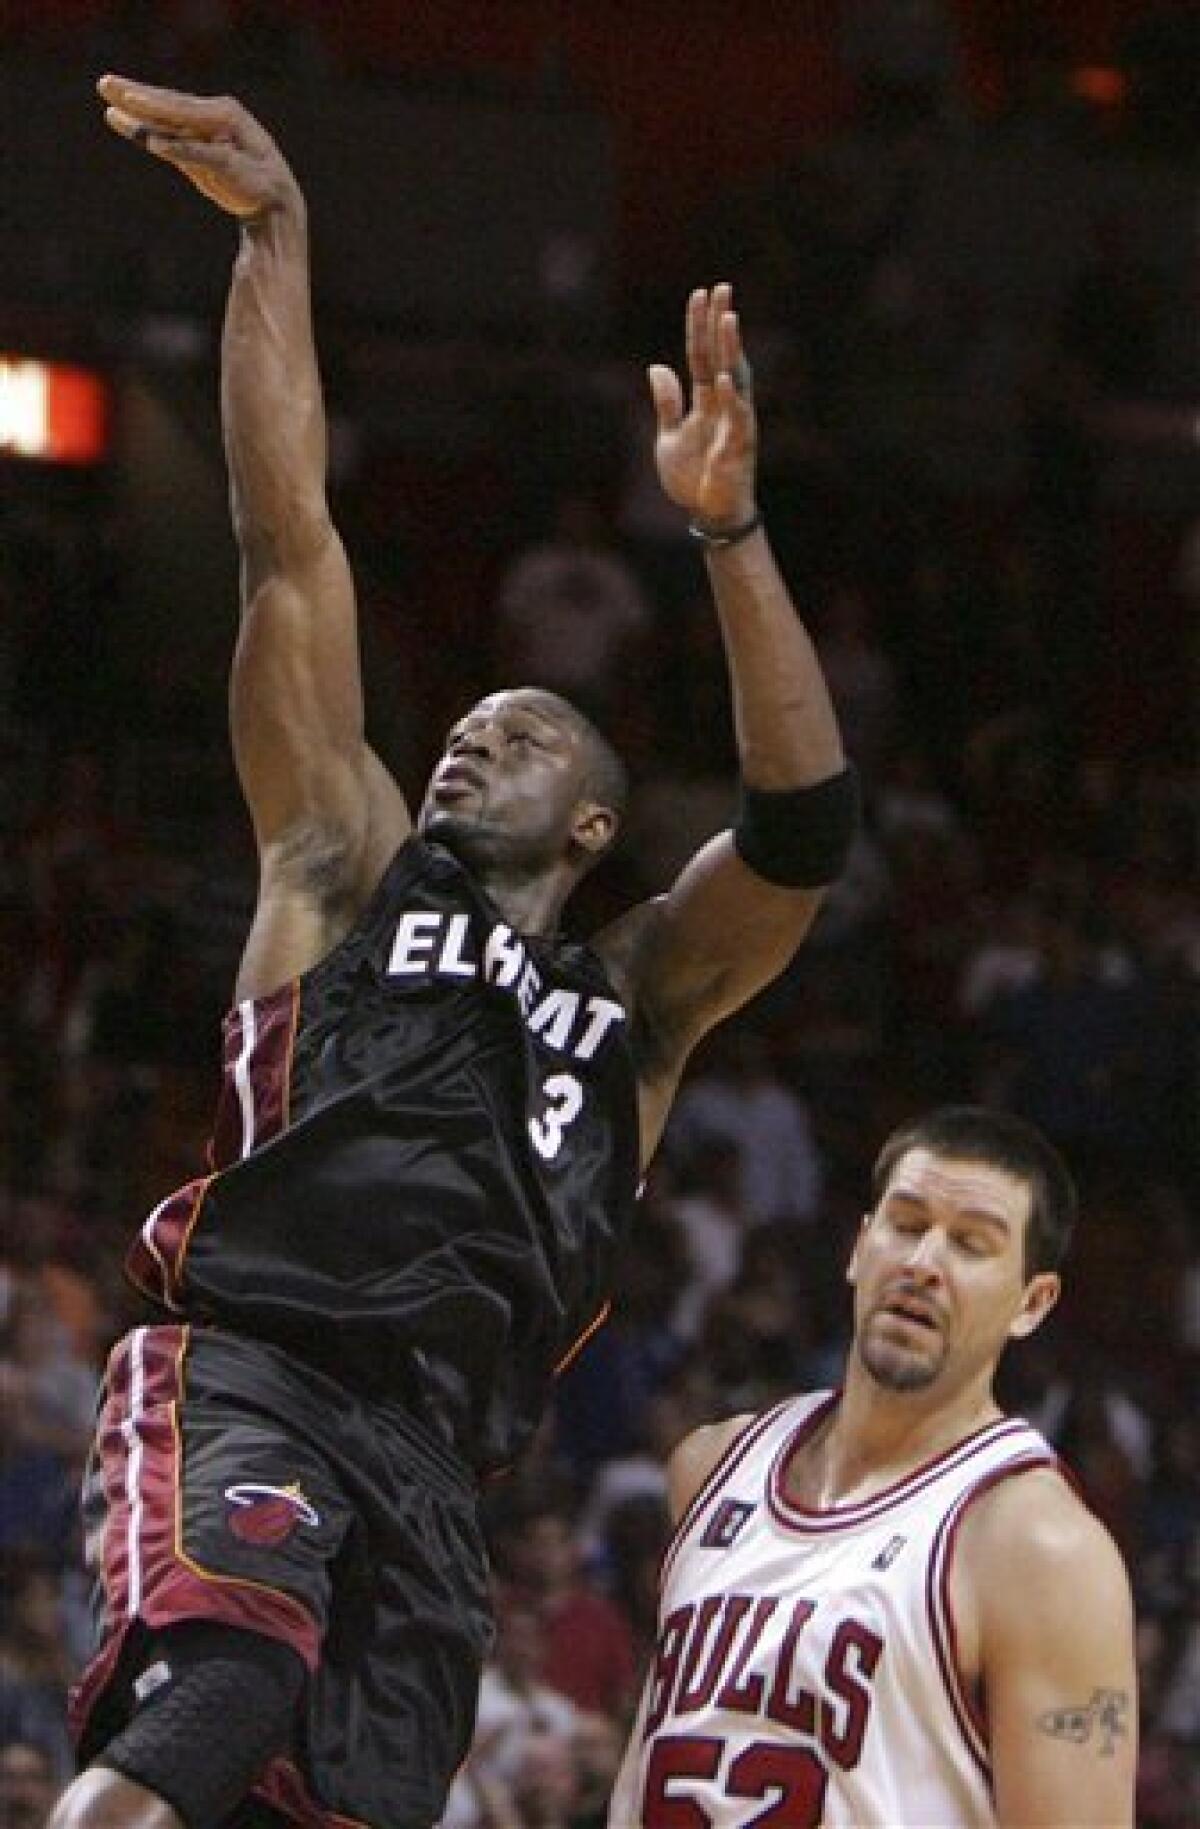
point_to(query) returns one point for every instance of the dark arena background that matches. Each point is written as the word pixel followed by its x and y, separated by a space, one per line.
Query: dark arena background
pixel 964 242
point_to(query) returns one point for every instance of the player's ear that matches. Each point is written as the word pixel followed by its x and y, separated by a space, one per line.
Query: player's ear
pixel 852 1266
pixel 1041 1293
pixel 593 827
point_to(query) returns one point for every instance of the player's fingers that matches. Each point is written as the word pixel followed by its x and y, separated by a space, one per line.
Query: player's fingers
pixel 667 394
pixel 699 339
pixel 195 155
pixel 129 126
pixel 718 305
pixel 731 357
pixel 162 141
pixel 202 116
pixel 732 396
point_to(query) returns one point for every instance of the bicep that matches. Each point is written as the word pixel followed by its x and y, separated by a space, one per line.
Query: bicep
pixel 1060 1688
pixel 296 694
pixel 719 935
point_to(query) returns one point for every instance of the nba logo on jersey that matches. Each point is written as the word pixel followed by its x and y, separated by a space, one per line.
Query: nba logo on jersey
pixel 725 1523
pixel 889 1553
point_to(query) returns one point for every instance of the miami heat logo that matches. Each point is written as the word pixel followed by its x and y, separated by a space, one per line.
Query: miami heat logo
pixel 267 1515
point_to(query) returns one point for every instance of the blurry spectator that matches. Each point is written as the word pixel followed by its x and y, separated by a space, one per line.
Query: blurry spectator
pixel 545 1790
pixel 639 1530
pixel 671 815
pixel 515 1706
pixel 1090 1441
pixel 1071 1049
pixel 51 1391
pixel 602 1396
pixel 571 613
pixel 908 799
pixel 47 1399
pixel 74 851
pixel 759 1338
pixel 586 1649
pixel 688 1397
pixel 598 1745
pixel 707 1208
pixel 934 909
pixel 861 678
pixel 1003 959
pixel 28 1785
pixel 35 1668
pixel 739 1099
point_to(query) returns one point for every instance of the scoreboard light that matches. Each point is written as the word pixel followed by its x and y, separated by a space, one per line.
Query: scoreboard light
pixel 53 412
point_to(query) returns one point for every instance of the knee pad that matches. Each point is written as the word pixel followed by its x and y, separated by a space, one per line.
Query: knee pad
pixel 212 1704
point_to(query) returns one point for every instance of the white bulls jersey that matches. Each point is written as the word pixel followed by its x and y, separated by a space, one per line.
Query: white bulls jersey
pixel 805 1671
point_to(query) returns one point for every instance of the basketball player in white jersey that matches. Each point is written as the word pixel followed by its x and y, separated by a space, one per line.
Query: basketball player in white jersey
pixel 886 1605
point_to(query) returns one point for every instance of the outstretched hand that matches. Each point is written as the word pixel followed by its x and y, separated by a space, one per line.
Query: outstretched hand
pixel 212 140
pixel 706 455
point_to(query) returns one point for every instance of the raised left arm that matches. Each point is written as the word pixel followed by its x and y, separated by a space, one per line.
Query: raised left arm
pixel 741 907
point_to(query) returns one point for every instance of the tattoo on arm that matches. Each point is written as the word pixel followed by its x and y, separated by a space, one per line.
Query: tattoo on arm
pixel 1103 1718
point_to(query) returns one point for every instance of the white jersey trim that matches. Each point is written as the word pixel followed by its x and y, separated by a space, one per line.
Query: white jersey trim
pixel 732 1457
pixel 943 1630
pixel 812 1521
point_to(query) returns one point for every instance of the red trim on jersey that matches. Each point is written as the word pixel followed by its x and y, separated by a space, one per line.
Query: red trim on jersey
pixel 259 1038
pixel 572 1353
pixel 154 1262
pixel 731 1457
pixel 282 1785
pixel 970 1717
pixel 253 1107
pixel 145 1571
pixel 813 1521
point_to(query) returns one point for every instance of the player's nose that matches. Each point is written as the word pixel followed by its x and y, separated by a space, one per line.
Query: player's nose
pixel 481 740
pixel 923 1261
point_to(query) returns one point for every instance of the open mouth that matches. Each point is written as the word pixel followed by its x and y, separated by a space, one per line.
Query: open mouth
pixel 912 1314
pixel 455 780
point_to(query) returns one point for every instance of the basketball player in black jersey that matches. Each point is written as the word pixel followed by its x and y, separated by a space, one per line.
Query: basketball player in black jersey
pixel 433 1120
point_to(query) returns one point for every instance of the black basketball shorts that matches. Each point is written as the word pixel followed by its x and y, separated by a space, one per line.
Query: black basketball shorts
pixel 229 1481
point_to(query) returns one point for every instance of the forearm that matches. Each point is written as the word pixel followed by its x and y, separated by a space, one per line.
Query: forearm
pixel 786 729
pixel 272 413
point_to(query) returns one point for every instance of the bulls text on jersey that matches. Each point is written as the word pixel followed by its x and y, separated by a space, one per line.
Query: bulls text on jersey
pixel 708 1657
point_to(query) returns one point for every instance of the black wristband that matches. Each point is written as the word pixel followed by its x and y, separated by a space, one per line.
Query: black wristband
pixel 798 837
pixel 714 538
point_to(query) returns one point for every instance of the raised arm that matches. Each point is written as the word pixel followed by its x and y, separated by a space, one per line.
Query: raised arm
pixel 1048 1621
pixel 326 814
pixel 741 907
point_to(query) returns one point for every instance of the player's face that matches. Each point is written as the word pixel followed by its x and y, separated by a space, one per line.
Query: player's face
pixel 509 782
pixel 938 1274
pixel 26 1786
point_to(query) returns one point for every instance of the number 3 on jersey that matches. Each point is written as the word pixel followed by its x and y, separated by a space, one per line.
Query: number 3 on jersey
pixel 563 1101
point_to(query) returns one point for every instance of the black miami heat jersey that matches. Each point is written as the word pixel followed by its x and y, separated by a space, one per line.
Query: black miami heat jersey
pixel 424 1159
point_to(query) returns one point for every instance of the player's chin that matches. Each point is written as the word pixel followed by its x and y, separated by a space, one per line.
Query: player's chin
pixel 901 1368
pixel 470 839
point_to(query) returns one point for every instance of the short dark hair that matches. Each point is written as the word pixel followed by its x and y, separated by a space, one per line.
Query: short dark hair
pixel 975 1133
pixel 606 778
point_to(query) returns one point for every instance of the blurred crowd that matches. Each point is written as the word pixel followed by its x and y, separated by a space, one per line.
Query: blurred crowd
pixel 988 514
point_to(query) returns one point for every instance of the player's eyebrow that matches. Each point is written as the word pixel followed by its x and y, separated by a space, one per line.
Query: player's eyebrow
pixel 986 1216
pixel 990 1216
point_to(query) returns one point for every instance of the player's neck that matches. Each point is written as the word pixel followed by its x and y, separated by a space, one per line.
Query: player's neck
pixel 877 1437
pixel 531 905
